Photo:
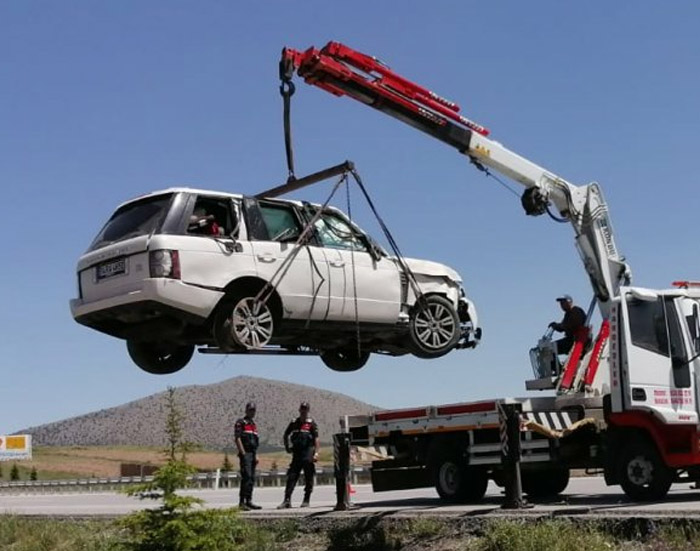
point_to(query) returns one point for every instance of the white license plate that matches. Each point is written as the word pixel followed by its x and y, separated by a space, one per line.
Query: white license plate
pixel 111 268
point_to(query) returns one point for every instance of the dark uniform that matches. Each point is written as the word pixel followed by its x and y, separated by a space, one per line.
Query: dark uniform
pixel 573 323
pixel 247 431
pixel 302 432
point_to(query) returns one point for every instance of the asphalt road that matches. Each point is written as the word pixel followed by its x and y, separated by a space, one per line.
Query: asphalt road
pixel 587 496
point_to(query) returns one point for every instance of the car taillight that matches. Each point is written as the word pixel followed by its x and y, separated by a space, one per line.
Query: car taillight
pixel 164 263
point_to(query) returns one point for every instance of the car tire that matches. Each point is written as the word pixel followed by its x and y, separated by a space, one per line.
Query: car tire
pixel 345 359
pixel 642 473
pixel 434 328
pixel 243 323
pixel 160 358
pixel 456 482
pixel 545 484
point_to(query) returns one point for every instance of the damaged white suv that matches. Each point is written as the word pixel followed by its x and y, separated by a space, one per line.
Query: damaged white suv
pixel 184 268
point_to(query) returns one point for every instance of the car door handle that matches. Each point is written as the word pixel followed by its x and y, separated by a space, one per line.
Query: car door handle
pixel 337 263
pixel 266 258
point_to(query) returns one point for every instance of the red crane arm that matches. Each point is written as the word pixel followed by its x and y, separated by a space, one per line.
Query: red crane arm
pixel 343 71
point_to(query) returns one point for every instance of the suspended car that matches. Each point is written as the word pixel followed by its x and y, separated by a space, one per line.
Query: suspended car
pixel 182 268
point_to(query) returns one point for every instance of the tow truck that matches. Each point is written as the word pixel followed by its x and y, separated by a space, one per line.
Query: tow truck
pixel 625 402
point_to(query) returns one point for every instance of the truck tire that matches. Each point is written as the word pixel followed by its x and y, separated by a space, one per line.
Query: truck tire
pixel 545 483
pixel 433 327
pixel 458 483
pixel 642 473
pixel 159 358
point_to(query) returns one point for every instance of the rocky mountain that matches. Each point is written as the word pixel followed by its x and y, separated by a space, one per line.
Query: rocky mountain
pixel 210 412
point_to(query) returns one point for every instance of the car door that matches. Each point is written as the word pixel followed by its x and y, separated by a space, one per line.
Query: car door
pixel 362 285
pixel 655 368
pixel 213 250
pixel 300 276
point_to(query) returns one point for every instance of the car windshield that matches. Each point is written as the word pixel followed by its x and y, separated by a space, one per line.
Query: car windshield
pixel 135 218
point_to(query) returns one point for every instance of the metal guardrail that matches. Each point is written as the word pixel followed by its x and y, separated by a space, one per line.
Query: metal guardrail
pixel 198 481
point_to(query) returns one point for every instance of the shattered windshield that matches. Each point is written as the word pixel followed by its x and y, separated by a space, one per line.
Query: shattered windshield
pixel 136 218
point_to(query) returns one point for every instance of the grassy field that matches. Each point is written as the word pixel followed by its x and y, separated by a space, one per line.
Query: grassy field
pixel 52 463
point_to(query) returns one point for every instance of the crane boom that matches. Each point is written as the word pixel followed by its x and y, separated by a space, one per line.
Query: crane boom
pixel 343 71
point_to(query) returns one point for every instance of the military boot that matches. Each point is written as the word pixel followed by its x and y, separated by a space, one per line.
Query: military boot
pixel 252 506
pixel 286 504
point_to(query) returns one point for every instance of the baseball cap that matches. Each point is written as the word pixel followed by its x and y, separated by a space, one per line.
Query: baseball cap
pixel 566 298
pixel 250 405
pixel 304 405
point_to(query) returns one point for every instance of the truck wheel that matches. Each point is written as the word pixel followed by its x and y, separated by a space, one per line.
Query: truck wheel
pixel 242 322
pixel 546 483
pixel 457 483
pixel 160 358
pixel 642 473
pixel 433 328
pixel 344 359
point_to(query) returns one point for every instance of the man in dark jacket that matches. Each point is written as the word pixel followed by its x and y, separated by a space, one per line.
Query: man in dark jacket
pixel 302 432
pixel 573 325
pixel 246 434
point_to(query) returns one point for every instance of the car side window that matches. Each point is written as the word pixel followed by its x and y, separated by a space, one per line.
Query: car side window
pixel 212 216
pixel 281 221
pixel 336 233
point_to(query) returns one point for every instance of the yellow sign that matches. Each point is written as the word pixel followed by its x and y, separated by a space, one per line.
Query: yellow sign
pixel 16 447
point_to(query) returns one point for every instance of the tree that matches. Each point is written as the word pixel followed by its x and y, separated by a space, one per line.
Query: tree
pixel 0 470
pixel 173 425
pixel 176 525
pixel 14 472
pixel 226 466
pixel 33 474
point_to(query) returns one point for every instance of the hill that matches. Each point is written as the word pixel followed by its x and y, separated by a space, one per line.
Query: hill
pixel 210 412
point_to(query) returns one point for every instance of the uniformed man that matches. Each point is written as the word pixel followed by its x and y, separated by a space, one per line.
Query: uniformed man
pixel 246 434
pixel 573 325
pixel 301 440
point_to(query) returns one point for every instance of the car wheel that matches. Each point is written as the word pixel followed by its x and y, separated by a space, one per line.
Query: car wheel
pixel 642 473
pixel 546 483
pixel 434 327
pixel 243 322
pixel 345 359
pixel 457 483
pixel 160 358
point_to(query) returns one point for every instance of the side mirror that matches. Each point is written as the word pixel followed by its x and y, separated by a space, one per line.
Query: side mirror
pixel 374 252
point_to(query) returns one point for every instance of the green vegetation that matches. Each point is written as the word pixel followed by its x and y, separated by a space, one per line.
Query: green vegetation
pixel 21 534
pixel 224 530
pixel 537 536
pixel 424 527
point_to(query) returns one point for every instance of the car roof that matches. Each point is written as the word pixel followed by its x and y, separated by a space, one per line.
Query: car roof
pixel 198 191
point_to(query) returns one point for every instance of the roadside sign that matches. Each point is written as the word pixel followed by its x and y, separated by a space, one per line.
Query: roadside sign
pixel 16 447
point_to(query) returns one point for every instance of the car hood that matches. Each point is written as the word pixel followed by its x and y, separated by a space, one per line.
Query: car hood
pixel 430 268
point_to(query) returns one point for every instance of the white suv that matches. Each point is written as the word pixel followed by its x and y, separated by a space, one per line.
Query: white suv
pixel 185 268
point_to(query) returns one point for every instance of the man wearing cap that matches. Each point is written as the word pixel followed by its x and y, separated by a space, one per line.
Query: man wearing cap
pixel 246 434
pixel 573 324
pixel 303 434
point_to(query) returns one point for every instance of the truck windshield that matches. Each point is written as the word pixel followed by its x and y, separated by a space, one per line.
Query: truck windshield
pixel 136 218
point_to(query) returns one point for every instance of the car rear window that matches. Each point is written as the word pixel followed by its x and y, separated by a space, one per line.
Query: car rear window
pixel 135 218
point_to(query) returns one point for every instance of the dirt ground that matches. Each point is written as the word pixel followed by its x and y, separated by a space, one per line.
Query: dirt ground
pixel 99 461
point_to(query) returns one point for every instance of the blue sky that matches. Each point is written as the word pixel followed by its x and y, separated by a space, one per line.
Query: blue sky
pixel 103 101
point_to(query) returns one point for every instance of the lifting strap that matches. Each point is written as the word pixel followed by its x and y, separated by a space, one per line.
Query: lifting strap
pixel 287 89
